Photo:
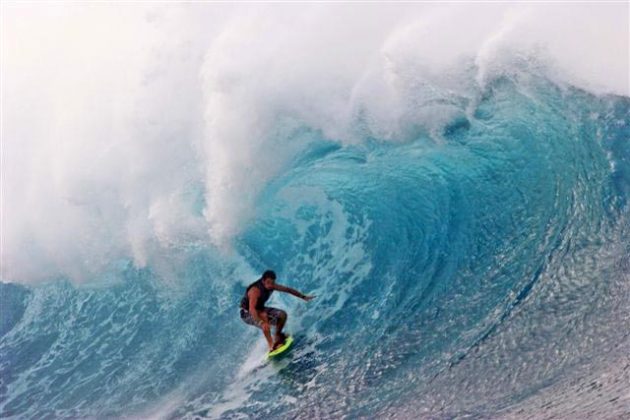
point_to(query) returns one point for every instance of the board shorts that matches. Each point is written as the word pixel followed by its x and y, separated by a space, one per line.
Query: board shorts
pixel 273 314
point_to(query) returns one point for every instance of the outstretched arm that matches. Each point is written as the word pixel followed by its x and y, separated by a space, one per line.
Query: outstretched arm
pixel 292 291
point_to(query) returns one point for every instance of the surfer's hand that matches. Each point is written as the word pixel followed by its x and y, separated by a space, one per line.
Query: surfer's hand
pixel 262 316
pixel 264 325
pixel 307 298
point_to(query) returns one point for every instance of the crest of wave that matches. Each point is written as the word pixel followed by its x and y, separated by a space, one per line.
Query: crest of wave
pixel 138 141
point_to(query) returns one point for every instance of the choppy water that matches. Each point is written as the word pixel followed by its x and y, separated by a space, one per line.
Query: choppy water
pixel 475 267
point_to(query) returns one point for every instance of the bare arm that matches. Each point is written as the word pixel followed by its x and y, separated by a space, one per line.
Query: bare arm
pixel 253 295
pixel 259 317
pixel 292 291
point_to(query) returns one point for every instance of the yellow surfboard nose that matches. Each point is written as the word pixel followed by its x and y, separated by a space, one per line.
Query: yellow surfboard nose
pixel 287 344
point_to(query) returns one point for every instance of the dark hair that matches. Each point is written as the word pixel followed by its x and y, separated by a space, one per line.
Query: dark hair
pixel 269 275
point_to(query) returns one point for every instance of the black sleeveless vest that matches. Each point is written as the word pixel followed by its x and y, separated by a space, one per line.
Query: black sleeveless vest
pixel 264 296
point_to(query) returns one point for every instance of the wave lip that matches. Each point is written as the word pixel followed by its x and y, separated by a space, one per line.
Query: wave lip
pixel 461 211
pixel 96 154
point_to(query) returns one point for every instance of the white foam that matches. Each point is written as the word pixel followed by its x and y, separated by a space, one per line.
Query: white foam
pixel 252 373
pixel 113 114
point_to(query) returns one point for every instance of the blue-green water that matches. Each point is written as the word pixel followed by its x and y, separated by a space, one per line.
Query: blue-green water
pixel 480 271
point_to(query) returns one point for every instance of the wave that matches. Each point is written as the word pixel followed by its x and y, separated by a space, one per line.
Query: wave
pixel 463 223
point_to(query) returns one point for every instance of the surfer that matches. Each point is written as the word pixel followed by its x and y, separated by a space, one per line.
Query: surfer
pixel 254 312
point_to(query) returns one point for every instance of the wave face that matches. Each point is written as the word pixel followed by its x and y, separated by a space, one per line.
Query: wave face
pixel 473 263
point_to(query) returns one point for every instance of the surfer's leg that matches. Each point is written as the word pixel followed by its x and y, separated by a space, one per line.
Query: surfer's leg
pixel 279 318
pixel 267 332
pixel 282 319
pixel 248 319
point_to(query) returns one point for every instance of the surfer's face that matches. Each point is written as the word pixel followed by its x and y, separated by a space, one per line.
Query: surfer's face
pixel 268 282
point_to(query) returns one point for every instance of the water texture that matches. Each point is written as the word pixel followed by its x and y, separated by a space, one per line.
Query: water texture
pixel 470 258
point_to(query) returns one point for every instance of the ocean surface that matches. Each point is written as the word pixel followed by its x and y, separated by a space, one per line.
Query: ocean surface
pixel 466 232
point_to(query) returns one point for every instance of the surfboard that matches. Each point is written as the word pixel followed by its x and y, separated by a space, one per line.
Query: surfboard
pixel 282 349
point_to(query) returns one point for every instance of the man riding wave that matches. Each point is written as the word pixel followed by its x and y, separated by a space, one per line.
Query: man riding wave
pixel 254 312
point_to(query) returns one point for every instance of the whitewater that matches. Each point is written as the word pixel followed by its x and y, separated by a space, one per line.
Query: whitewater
pixel 451 180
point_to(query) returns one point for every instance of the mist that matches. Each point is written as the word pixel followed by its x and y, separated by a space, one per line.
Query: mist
pixel 132 130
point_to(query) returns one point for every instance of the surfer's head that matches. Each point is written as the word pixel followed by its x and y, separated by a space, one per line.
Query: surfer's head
pixel 268 278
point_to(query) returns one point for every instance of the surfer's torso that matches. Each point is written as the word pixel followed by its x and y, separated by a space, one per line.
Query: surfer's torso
pixel 264 295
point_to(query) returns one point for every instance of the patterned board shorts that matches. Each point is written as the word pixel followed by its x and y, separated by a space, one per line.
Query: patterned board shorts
pixel 273 315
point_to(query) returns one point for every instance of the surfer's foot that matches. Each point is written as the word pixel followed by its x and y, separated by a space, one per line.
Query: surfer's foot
pixel 279 340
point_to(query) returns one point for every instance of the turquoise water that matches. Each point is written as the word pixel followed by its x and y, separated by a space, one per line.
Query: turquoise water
pixel 476 271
